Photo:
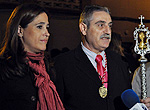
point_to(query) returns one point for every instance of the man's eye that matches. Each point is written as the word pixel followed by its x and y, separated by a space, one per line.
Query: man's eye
pixel 110 26
pixel 100 25
pixel 39 27
pixel 47 27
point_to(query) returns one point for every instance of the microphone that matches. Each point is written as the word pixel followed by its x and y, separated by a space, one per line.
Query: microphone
pixel 132 101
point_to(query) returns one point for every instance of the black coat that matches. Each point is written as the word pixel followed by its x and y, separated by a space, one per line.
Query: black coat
pixel 77 81
pixel 18 93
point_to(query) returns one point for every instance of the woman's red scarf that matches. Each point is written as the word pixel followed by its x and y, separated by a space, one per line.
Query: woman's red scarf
pixel 48 96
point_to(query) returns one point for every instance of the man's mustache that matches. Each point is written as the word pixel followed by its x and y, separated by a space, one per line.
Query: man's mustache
pixel 107 36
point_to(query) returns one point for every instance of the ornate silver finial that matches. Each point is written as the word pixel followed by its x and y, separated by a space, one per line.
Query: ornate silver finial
pixel 142 47
pixel 142 36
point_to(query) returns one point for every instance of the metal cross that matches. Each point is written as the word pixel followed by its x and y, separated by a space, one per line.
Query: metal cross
pixel 141 17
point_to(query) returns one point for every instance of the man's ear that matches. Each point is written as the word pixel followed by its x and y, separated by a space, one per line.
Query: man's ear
pixel 20 31
pixel 83 28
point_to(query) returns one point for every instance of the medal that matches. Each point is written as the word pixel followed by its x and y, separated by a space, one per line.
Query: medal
pixel 102 71
pixel 103 91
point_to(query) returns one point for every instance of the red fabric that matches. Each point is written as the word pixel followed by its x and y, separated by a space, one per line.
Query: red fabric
pixel 48 96
pixel 101 70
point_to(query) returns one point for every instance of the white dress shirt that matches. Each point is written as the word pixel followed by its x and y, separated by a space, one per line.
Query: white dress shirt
pixel 91 55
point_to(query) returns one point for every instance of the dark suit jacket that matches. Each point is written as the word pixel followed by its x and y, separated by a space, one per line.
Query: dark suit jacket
pixel 77 81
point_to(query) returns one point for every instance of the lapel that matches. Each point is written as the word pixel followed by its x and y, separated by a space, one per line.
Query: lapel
pixel 109 69
pixel 112 67
pixel 85 66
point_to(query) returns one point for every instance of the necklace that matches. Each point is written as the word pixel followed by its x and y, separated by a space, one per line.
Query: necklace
pixel 103 89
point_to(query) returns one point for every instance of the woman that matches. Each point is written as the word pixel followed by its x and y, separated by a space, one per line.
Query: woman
pixel 25 83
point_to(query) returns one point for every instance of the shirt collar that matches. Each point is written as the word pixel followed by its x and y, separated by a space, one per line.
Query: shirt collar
pixel 91 54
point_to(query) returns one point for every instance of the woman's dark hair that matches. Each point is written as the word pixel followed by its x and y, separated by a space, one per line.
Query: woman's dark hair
pixel 13 48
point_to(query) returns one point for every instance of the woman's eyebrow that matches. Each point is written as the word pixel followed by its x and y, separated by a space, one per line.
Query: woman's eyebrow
pixel 40 23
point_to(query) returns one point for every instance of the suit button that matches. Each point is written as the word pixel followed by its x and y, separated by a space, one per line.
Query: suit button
pixel 33 98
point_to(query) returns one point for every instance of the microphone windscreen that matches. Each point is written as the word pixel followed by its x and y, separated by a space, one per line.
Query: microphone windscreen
pixel 130 98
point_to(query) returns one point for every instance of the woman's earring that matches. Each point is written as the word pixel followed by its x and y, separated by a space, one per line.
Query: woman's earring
pixel 20 33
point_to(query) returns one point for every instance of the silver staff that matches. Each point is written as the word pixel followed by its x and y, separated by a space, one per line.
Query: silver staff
pixel 142 47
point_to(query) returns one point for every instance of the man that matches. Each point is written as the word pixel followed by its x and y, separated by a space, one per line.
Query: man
pixel 78 81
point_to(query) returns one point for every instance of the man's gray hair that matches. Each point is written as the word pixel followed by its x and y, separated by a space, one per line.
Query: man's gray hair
pixel 86 15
